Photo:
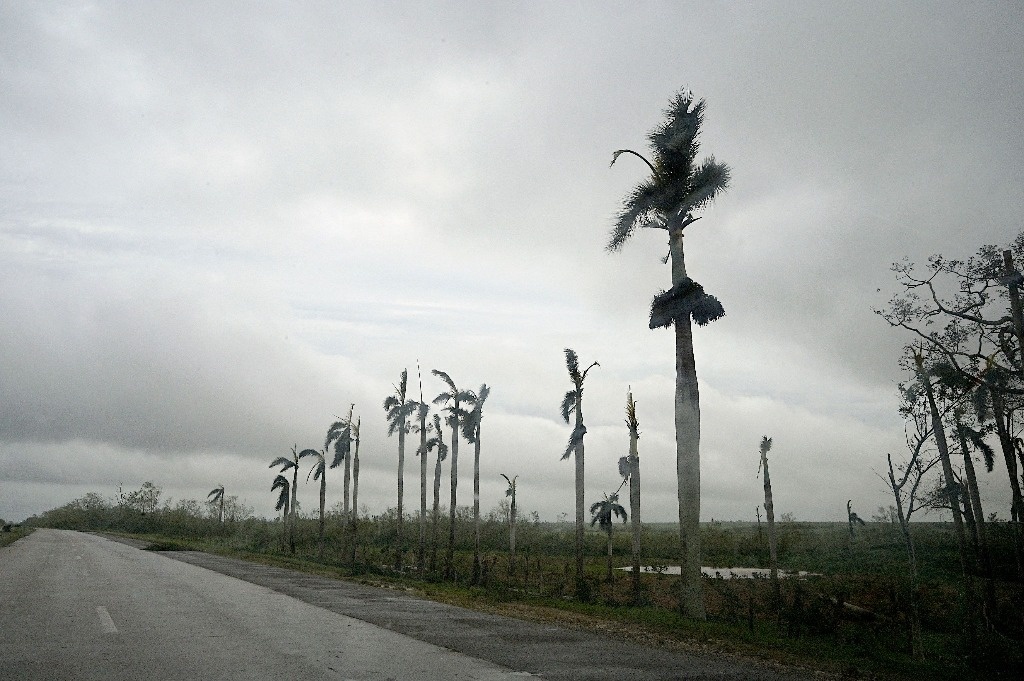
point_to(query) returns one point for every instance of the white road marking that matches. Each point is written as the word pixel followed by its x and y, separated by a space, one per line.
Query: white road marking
pixel 106 623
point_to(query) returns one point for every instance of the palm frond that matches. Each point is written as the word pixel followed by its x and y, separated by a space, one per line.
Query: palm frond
pixel 624 466
pixel 977 439
pixel 216 493
pixel 766 445
pixel 685 298
pixel 283 462
pixel 576 438
pixel 310 452
pixel 447 379
pixel 708 181
pixel 568 404
pixel 572 363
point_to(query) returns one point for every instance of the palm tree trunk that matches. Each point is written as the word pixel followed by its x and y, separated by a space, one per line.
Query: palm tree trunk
pixel 634 508
pixel 401 495
pixel 323 503
pixel 580 503
pixel 984 557
pixel 355 501
pixel 773 555
pixel 295 505
pixel 348 485
pixel 437 513
pixel 421 552
pixel 608 572
pixel 512 534
pixel 476 508
pixel 449 562
pixel 687 422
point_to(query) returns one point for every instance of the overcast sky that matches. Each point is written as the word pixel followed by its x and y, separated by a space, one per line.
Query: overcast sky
pixel 222 223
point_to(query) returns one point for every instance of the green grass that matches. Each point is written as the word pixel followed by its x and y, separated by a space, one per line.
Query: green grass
pixel 8 538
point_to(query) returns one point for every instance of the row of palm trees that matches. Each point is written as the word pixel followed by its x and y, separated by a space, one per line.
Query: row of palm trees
pixel 670 198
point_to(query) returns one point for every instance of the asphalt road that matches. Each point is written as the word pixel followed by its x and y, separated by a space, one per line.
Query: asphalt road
pixel 78 606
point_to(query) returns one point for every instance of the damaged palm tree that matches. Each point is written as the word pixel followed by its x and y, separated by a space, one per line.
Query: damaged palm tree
pixel 629 469
pixel 769 509
pixel 678 187
pixel 399 414
pixel 573 403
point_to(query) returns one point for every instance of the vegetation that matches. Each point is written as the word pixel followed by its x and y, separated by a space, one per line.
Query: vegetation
pixel 849 618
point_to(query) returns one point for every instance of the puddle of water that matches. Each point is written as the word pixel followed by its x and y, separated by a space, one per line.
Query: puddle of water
pixel 726 573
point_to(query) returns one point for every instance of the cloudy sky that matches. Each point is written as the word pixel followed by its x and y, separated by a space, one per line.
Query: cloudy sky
pixel 222 223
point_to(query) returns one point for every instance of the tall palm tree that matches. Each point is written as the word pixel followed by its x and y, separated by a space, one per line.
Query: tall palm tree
pixel 769 509
pixel 422 411
pixel 319 472
pixel 442 453
pixel 454 399
pixel 217 494
pixel 603 513
pixel 678 187
pixel 629 468
pixel 354 517
pixel 573 402
pixel 399 410
pixel 471 431
pixel 511 492
pixel 293 464
pixel 340 435
pixel 283 498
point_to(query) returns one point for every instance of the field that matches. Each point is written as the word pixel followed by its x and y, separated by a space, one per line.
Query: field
pixel 850 619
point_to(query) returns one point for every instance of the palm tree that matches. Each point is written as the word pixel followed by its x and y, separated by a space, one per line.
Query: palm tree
pixel 454 398
pixel 293 463
pixel 399 409
pixel 471 431
pixel 629 468
pixel 677 188
pixel 769 509
pixel 442 453
pixel 283 497
pixel 422 411
pixel 218 498
pixel 573 402
pixel 354 517
pixel 603 513
pixel 319 472
pixel 511 492
pixel 340 434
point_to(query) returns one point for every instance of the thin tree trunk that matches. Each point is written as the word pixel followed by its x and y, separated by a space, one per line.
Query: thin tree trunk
pixel 634 504
pixel 295 505
pixel 984 557
pixel 437 513
pixel 421 552
pixel 476 506
pixel 449 563
pixel 323 503
pixel 1016 500
pixel 401 494
pixel 348 485
pixel 580 503
pixel 687 422
pixel 355 497
pixel 947 467
pixel 773 555
pixel 916 645
pixel 608 572
pixel 512 534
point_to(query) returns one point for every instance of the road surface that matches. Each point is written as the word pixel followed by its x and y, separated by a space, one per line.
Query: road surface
pixel 78 606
